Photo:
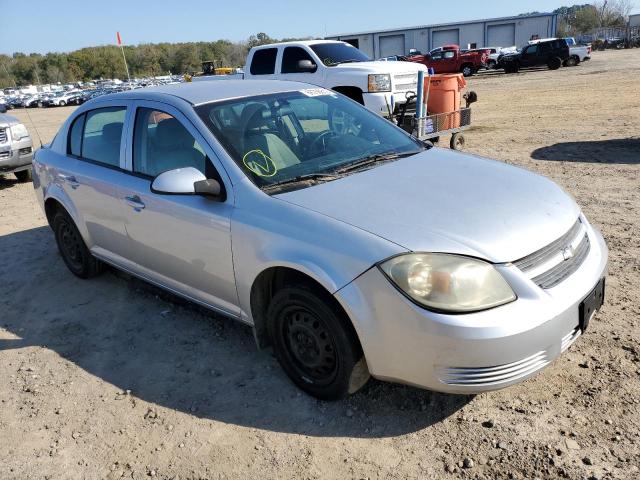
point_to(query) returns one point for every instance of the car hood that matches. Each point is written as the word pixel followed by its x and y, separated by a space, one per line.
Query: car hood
pixel 444 201
pixel 383 67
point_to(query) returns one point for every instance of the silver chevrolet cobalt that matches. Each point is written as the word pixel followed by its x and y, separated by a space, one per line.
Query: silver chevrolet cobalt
pixel 350 247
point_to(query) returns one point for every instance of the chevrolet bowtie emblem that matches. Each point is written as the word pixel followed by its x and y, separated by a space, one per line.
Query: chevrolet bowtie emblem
pixel 567 252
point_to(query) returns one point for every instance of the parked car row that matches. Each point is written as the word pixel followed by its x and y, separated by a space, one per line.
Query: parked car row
pixel 75 96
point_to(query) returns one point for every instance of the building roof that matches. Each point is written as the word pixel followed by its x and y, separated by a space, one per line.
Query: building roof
pixel 204 91
pixel 439 25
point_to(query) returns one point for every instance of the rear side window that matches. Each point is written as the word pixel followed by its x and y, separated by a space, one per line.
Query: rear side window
pixel 102 135
pixel 291 57
pixel 75 137
pixel 264 61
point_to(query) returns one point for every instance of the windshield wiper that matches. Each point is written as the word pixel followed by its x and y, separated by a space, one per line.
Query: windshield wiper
pixel 371 160
pixel 351 60
pixel 308 177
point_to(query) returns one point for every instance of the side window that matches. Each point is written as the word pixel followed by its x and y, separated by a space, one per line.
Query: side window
pixel 103 135
pixel 436 56
pixel 449 54
pixel 161 143
pixel 531 50
pixel 264 61
pixel 544 47
pixel 74 144
pixel 291 57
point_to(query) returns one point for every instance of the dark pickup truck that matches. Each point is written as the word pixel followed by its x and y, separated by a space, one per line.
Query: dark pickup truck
pixel 552 53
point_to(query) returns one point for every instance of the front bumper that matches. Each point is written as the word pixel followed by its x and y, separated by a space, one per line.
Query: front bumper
pixel 14 159
pixel 383 103
pixel 476 352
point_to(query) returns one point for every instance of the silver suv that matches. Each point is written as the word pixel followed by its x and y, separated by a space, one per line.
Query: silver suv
pixel 348 245
pixel 16 148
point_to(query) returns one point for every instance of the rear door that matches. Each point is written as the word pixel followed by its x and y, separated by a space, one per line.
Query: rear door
pixel 92 173
pixel 263 63
pixel 182 242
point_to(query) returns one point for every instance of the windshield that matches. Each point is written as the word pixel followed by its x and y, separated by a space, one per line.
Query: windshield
pixel 280 137
pixel 332 54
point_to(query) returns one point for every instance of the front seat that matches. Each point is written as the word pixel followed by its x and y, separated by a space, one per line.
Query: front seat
pixel 175 148
pixel 256 136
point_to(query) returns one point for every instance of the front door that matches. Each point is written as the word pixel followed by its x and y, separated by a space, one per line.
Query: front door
pixel 182 242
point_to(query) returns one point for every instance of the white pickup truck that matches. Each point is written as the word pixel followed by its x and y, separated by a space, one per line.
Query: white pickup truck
pixel 380 86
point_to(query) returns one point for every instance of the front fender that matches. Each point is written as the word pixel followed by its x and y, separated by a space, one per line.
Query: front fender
pixel 280 234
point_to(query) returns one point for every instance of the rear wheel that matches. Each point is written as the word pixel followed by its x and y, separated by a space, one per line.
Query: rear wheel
pixel 554 63
pixel 72 248
pixel 571 62
pixel 457 141
pixel 24 175
pixel 314 343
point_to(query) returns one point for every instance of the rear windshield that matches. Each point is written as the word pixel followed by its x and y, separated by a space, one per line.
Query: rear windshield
pixel 332 54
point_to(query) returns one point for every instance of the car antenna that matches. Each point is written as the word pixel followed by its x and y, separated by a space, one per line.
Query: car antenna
pixel 26 109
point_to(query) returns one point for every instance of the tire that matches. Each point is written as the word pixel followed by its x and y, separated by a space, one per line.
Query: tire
pixel 554 63
pixel 570 62
pixel 457 141
pixel 511 68
pixel 492 65
pixel 314 343
pixel 467 70
pixel 72 248
pixel 62 103
pixel 24 175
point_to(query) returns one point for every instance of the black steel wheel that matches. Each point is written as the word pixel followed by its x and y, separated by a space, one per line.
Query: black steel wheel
pixel 314 344
pixel 467 70
pixel 554 63
pixel 72 248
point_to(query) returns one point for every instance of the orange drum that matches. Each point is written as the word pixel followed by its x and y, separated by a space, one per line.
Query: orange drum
pixel 443 93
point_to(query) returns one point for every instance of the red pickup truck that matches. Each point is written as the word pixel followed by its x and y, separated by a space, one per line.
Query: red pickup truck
pixel 449 59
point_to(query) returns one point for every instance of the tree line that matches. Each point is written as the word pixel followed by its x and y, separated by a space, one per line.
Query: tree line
pixel 106 61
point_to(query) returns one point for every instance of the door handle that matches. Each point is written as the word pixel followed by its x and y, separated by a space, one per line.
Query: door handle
pixel 71 180
pixel 135 202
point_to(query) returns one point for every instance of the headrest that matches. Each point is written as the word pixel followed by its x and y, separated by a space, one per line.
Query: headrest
pixel 171 133
pixel 253 116
pixel 112 132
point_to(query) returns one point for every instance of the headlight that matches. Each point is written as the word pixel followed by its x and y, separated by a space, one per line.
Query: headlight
pixel 19 131
pixel 380 82
pixel 448 283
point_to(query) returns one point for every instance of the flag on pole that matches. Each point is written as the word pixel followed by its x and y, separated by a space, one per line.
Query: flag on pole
pixel 119 39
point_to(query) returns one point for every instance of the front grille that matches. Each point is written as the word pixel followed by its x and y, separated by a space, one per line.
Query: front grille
pixel 552 264
pixel 6 154
pixel 3 135
pixel 405 82
pixel 487 376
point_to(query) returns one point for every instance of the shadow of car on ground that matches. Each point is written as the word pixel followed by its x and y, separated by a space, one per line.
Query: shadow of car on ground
pixel 622 151
pixel 173 354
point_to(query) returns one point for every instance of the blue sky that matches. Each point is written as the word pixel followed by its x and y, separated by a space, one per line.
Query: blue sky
pixel 45 25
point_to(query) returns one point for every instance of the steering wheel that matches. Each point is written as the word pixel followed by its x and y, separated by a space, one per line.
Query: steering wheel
pixel 321 139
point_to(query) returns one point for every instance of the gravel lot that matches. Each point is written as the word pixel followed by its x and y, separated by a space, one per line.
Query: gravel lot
pixel 111 378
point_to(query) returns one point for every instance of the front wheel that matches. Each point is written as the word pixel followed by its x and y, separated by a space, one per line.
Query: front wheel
pixel 314 343
pixel 467 70
pixel 72 248
pixel 24 175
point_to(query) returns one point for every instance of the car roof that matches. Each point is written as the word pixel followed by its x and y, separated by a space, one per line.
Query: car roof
pixel 205 91
pixel 299 42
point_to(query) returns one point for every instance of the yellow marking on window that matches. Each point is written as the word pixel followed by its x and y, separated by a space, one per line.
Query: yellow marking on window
pixel 262 166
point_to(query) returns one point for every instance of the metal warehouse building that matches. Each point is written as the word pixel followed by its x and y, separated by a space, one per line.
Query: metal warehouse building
pixel 495 32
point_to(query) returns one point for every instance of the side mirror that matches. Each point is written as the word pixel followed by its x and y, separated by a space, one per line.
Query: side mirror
pixel 185 181
pixel 306 66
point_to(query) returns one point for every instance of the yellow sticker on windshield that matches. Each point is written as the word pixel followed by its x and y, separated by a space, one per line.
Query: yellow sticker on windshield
pixel 259 163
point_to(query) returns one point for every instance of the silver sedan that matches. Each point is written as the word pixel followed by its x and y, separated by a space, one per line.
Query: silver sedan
pixel 350 247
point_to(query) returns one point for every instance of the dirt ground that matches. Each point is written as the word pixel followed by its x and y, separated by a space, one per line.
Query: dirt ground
pixel 111 378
